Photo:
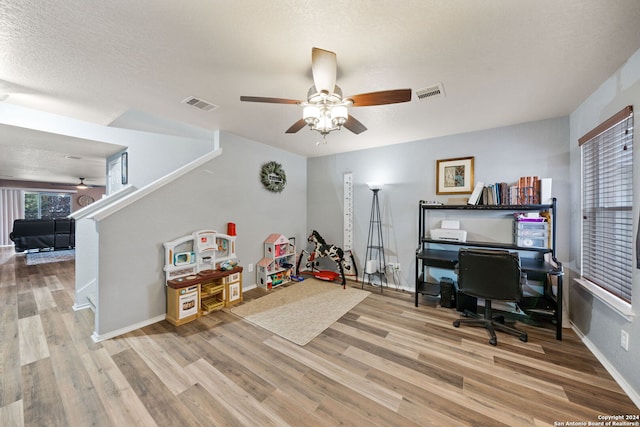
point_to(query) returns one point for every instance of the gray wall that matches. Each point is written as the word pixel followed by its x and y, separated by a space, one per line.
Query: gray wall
pixel 225 189
pixel 408 172
pixel 599 323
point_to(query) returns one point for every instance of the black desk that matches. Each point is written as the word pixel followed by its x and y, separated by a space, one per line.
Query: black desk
pixel 444 254
pixel 547 305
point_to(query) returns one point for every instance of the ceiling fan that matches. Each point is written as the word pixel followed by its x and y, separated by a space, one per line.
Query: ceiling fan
pixel 325 109
pixel 82 185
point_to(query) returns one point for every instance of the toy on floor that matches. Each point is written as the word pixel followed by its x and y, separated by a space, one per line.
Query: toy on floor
pixel 327 275
pixel 349 265
pixel 322 249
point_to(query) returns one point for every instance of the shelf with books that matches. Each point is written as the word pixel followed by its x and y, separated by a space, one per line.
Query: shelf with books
pixel 528 190
pixel 427 205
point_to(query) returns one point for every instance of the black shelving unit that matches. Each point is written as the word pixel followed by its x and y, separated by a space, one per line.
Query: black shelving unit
pixel 443 254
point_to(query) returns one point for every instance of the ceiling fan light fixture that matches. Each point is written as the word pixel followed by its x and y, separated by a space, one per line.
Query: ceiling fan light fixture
pixel 311 114
pixel 324 125
pixel 82 185
pixel 339 115
pixel 325 117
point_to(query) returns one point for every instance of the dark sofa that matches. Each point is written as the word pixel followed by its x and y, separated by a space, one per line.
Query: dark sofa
pixel 39 234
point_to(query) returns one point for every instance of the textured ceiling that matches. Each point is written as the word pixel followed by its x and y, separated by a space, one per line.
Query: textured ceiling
pixel 500 62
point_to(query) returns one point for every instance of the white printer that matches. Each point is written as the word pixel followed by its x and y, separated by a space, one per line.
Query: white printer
pixel 449 231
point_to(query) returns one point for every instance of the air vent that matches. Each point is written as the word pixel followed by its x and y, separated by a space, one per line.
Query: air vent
pixel 199 103
pixel 435 91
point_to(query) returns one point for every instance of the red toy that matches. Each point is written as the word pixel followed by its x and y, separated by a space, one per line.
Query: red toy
pixel 327 275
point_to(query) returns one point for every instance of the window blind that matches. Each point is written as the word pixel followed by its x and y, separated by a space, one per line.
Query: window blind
pixel 607 202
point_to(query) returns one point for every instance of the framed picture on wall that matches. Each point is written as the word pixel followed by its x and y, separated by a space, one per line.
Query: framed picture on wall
pixel 125 167
pixel 454 176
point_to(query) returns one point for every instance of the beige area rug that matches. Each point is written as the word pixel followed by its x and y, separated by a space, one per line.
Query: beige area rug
pixel 301 312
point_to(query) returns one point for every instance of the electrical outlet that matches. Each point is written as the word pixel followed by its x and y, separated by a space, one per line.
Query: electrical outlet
pixel 624 340
pixel 250 268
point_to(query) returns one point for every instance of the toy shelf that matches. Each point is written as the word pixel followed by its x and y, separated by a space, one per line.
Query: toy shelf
pixel 277 265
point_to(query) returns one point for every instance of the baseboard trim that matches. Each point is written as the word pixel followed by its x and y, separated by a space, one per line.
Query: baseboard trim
pixel 102 337
pixel 78 307
pixel 633 394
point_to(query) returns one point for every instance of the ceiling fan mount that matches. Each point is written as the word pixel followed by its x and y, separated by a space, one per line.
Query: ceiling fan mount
pixel 325 109
pixel 315 96
pixel 81 185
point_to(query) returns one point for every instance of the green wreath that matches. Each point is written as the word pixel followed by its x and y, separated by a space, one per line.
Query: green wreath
pixel 273 177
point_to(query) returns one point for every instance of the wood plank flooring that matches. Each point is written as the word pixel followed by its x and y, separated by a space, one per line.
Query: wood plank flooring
pixel 385 363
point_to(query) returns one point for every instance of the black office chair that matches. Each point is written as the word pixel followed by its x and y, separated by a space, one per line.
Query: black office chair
pixel 492 275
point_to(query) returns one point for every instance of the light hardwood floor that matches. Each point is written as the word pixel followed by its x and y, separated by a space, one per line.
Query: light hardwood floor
pixel 385 363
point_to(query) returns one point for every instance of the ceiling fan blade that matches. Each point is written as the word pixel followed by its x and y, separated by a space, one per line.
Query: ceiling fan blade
pixel 324 68
pixel 354 125
pixel 381 98
pixel 296 126
pixel 268 100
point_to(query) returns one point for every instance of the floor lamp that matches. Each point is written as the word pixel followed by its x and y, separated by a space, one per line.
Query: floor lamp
pixel 374 258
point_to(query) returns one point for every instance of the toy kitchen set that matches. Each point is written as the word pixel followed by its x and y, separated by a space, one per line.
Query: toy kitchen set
pixel 202 274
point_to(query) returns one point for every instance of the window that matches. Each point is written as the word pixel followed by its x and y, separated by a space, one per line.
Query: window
pixel 607 201
pixel 42 205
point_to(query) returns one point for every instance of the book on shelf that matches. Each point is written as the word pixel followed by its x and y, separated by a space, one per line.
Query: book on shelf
pixel 528 190
pixel 476 194
pixel 545 191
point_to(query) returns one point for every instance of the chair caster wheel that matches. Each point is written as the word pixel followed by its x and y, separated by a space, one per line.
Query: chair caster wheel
pixel 493 341
pixel 523 338
pixel 456 323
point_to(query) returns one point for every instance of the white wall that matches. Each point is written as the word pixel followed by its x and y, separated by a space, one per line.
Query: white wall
pixel 157 147
pixel 151 154
pixel 408 171
pixel 600 324
pixel 143 121
pixel 225 189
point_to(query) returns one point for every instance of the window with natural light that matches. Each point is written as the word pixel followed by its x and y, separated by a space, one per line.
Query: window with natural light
pixel 607 205
pixel 44 205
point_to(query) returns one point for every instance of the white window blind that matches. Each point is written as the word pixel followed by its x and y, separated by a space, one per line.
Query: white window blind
pixel 607 201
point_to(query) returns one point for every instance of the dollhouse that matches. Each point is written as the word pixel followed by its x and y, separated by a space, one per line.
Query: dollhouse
pixel 277 265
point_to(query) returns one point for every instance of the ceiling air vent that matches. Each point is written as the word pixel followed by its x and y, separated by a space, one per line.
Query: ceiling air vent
pixel 434 91
pixel 199 103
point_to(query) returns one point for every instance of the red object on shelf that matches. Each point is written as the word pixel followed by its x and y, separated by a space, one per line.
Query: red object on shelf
pixel 231 229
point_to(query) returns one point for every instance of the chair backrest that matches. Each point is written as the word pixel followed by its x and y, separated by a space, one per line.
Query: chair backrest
pixel 490 274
